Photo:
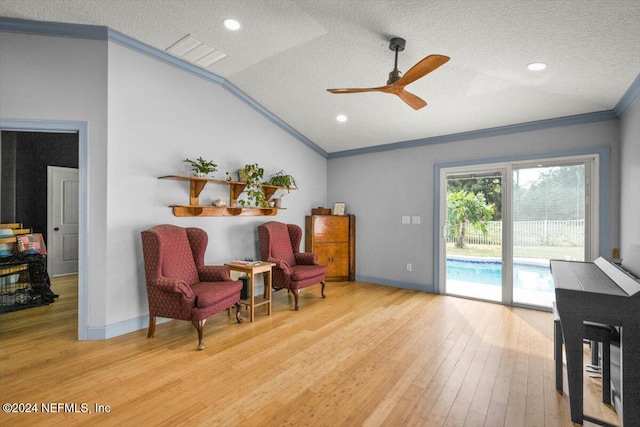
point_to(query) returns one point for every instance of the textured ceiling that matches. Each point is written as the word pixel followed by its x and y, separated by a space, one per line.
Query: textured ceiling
pixel 289 52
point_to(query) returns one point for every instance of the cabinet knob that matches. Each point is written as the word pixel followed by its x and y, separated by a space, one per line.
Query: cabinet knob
pixel 56 229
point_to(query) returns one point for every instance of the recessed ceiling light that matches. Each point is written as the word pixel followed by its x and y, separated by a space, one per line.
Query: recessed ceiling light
pixel 536 66
pixel 231 24
pixel 341 118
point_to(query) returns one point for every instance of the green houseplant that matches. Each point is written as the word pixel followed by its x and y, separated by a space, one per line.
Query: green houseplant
pixel 252 174
pixel 282 179
pixel 201 167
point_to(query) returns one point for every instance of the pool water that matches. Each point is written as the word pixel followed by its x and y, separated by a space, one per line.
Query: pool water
pixel 526 276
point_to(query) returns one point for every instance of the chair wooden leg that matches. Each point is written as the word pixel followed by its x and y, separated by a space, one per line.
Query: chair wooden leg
pixel 322 290
pixel 296 293
pixel 199 325
pixel 152 326
pixel 238 318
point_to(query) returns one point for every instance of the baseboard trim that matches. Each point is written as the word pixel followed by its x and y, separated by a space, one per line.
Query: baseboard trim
pixel 423 287
pixel 121 328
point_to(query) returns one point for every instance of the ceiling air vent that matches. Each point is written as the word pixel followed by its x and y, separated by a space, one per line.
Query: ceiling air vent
pixel 195 51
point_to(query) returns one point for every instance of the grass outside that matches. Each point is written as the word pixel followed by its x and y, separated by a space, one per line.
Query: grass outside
pixel 542 252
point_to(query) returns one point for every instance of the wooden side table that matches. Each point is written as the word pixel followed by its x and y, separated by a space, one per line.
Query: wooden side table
pixel 251 270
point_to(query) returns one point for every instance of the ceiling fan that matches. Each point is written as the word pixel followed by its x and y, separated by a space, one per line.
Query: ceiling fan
pixel 395 85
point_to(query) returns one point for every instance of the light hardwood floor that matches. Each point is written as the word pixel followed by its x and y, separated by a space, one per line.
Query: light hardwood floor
pixel 366 355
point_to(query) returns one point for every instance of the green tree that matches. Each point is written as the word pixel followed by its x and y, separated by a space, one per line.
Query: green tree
pixel 557 194
pixel 490 186
pixel 465 208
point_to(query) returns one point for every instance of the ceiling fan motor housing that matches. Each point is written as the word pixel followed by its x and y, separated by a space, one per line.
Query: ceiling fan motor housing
pixel 397 43
pixel 394 76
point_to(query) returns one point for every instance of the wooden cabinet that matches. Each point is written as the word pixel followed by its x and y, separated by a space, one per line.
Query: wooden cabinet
pixel 196 185
pixel 333 239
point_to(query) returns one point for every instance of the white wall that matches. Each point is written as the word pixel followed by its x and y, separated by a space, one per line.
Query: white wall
pixel 382 187
pixel 144 117
pixel 630 172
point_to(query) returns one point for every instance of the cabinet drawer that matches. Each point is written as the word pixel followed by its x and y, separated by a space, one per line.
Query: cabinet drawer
pixel 327 228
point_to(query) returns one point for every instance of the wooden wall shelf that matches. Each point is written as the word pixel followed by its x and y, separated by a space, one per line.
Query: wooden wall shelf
pixel 184 210
pixel 196 185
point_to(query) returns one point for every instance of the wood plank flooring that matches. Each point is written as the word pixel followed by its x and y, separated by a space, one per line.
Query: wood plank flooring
pixel 367 355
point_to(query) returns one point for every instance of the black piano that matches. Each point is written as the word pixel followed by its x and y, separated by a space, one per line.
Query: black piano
pixel 602 292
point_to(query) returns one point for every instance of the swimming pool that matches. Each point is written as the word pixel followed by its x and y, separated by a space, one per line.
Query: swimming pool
pixel 535 277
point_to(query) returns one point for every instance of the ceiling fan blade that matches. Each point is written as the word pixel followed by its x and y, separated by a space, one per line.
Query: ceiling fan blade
pixel 357 90
pixel 412 100
pixel 422 68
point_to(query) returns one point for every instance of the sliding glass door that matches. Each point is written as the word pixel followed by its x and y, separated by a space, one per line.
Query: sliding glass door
pixel 474 234
pixel 502 223
pixel 548 223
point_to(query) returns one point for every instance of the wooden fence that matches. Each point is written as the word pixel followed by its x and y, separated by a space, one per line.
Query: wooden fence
pixel 529 233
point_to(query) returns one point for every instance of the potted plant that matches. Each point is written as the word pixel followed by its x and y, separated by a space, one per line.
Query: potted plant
pixel 252 174
pixel 201 167
pixel 282 179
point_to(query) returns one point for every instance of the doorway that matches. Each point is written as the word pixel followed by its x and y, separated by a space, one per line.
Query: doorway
pixel 474 234
pixel 26 159
pixel 80 132
pixel 502 223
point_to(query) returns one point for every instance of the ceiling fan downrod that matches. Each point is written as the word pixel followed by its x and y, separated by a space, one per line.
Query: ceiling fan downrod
pixel 396 44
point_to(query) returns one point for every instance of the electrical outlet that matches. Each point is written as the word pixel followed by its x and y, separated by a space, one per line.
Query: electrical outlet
pixel 408 267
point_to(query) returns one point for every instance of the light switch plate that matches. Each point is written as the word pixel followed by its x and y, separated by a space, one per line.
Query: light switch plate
pixel 406 220
pixel 415 220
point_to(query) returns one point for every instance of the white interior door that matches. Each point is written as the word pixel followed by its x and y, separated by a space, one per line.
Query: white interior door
pixel 62 220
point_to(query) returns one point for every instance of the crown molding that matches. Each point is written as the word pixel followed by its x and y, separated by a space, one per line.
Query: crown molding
pixel 628 98
pixel 60 29
pixel 483 133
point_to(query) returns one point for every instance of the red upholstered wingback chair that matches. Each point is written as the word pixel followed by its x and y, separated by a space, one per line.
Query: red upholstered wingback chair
pixel 294 270
pixel 179 285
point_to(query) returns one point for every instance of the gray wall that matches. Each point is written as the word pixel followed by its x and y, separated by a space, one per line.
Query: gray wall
pixel 382 187
pixel 158 116
pixel 630 173
pixel 143 118
pixel 65 79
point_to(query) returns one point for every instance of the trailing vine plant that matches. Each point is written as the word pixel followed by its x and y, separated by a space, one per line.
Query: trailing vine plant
pixel 252 175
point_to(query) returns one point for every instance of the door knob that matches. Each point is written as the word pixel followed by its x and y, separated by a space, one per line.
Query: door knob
pixel 56 229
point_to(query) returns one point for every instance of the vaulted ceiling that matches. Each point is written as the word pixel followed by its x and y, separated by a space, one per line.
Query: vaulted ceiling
pixel 288 52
